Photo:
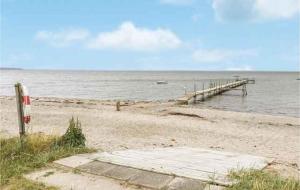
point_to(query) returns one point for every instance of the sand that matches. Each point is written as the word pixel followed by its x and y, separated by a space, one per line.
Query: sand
pixel 155 124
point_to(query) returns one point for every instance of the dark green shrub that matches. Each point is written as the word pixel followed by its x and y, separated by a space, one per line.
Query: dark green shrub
pixel 73 136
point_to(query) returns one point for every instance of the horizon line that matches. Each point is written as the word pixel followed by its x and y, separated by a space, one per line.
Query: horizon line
pixel 141 70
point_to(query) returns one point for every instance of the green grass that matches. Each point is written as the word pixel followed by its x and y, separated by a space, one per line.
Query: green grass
pixel 261 180
pixel 36 152
pixel 21 183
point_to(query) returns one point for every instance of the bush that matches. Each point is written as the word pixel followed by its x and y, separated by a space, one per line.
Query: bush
pixel 73 136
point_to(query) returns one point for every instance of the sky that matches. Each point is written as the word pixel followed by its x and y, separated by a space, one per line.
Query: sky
pixel 258 35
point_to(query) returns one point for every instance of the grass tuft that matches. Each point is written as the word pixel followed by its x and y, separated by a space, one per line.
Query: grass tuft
pixel 261 180
pixel 73 136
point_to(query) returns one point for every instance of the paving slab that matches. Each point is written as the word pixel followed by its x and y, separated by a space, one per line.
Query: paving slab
pixel 73 161
pixel 151 180
pixel 96 167
pixel 69 180
pixel 122 173
pixel 180 183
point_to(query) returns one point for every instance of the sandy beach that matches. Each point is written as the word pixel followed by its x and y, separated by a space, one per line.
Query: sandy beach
pixel 143 125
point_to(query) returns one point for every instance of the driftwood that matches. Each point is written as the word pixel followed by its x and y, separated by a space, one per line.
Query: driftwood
pixel 186 114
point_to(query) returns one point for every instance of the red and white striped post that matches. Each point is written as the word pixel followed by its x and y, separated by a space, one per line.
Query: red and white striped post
pixel 26 105
pixel 23 107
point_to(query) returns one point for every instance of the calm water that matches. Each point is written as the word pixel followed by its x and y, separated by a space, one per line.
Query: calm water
pixel 275 93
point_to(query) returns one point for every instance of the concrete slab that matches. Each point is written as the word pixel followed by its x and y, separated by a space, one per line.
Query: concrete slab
pixel 186 184
pixel 96 167
pixel 122 173
pixel 73 161
pixel 201 164
pixel 68 180
pixel 91 156
pixel 151 180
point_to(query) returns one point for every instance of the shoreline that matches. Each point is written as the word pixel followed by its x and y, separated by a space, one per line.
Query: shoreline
pixel 148 124
pixel 127 101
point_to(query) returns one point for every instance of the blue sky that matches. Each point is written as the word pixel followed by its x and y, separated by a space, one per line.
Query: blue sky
pixel 150 34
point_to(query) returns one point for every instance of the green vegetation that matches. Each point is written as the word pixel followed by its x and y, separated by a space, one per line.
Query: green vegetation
pixel 261 180
pixel 74 136
pixel 20 183
pixel 36 151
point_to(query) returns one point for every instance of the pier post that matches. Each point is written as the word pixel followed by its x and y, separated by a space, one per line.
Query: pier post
pixel 202 92
pixel 219 87
pixel 215 88
pixel 195 92
pixel 244 90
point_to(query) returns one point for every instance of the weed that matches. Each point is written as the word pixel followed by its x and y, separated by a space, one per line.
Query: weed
pixel 73 136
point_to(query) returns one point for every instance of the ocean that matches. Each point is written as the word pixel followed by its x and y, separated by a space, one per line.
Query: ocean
pixel 274 93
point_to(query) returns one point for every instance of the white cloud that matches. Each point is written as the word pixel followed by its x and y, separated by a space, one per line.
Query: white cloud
pixel 242 68
pixel 130 37
pixel 272 9
pixel 221 55
pixel 177 2
pixel 62 38
pixel 255 9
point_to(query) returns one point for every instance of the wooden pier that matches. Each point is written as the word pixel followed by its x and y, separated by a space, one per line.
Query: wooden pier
pixel 215 89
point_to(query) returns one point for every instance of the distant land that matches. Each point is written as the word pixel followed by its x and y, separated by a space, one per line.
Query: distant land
pixel 10 68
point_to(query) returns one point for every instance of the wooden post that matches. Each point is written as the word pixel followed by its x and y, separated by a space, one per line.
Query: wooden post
pixel 18 89
pixel 118 105
pixel 203 91
pixel 195 92
pixel 215 88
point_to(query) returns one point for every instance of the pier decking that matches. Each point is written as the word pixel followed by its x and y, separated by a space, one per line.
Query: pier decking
pixel 215 89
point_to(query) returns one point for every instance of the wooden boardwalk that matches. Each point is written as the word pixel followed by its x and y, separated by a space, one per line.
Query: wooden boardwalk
pixel 215 89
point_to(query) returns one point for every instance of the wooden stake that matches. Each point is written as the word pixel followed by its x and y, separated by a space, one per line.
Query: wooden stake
pixel 195 92
pixel 20 109
pixel 203 91
pixel 118 105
